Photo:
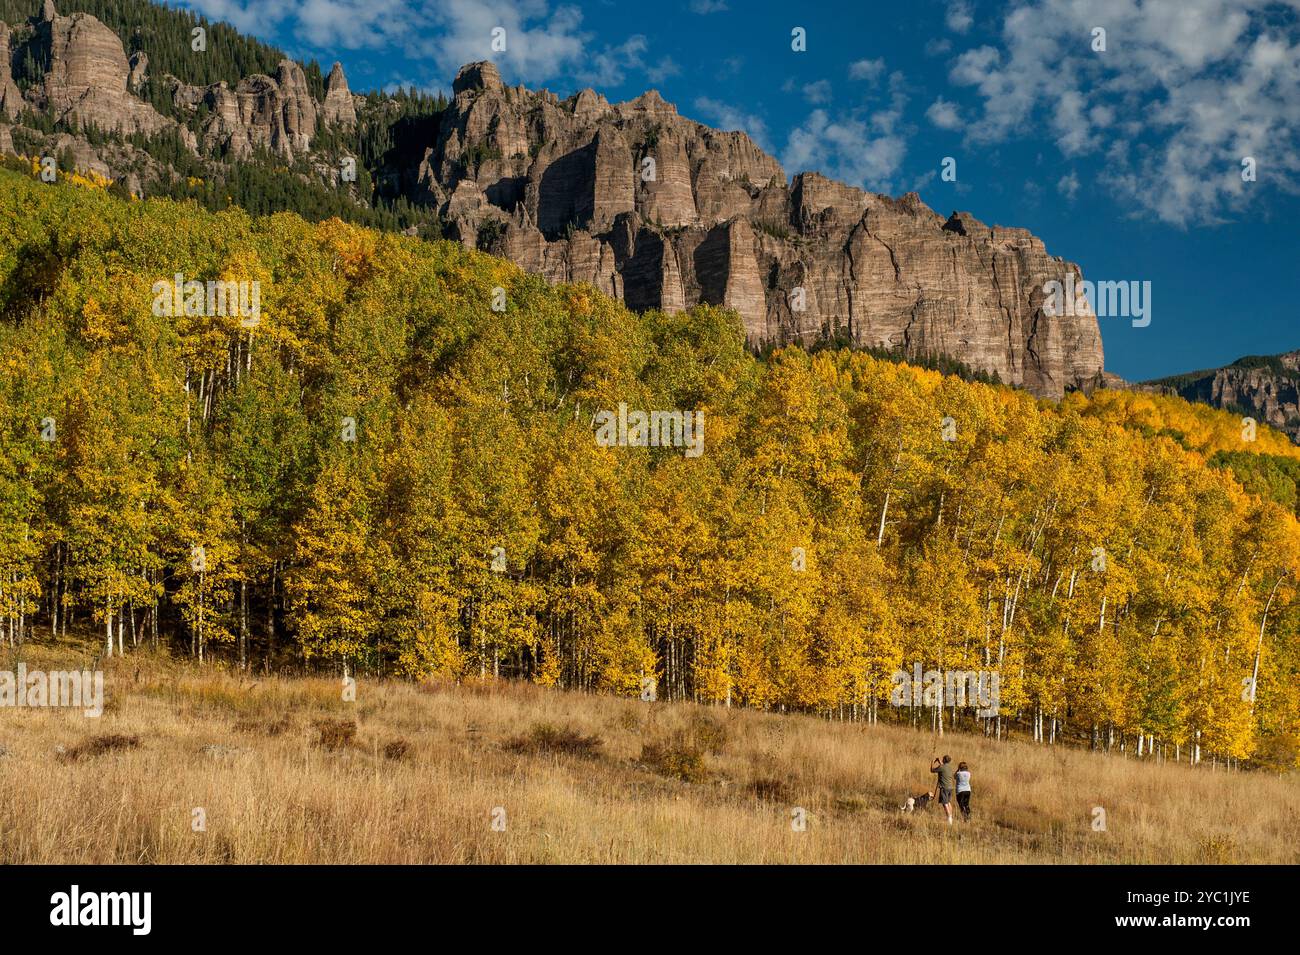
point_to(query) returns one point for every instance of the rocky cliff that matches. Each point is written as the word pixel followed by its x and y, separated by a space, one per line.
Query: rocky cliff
pixel 338 108
pixel 85 79
pixel 1264 387
pixel 665 212
pixel 88 81
pixel 87 75
pixel 262 112
pixel 11 98
pixel 633 198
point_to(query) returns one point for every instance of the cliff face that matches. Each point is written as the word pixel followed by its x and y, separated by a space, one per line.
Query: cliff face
pixel 87 75
pixel 275 113
pixel 11 98
pixel 642 203
pixel 1266 388
pixel 338 108
pixel 664 212
pixel 90 81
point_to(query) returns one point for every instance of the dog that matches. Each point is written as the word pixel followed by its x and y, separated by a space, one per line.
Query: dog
pixel 917 802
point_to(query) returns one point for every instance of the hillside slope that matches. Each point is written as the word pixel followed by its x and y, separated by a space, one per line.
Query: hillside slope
pixel 283 771
pixel 114 88
pixel 644 204
pixel 1265 387
pixel 396 467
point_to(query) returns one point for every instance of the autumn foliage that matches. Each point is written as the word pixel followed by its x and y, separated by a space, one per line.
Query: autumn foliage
pixel 828 536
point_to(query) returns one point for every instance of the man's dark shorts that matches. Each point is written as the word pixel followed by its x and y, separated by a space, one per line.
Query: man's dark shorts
pixel 945 796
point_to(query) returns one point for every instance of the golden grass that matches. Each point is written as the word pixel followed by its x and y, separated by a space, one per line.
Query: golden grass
pixel 581 778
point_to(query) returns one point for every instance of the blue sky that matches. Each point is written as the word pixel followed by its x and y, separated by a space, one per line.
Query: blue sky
pixel 1127 160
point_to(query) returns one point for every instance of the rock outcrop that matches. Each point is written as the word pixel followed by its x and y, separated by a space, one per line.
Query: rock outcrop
pixel 87 75
pixel 139 64
pixel 1267 388
pixel 11 98
pixel 665 212
pixel 89 81
pixel 338 108
pixel 262 112
pixel 632 198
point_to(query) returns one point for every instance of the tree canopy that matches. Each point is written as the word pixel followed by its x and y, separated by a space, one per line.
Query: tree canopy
pixel 387 474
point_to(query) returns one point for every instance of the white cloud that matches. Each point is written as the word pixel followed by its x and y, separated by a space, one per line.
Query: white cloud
pixel 725 116
pixel 350 24
pixel 818 92
pixel 610 65
pixel 922 180
pixel 730 67
pixel 704 7
pixel 665 67
pixel 844 148
pixel 1195 85
pixel 541 42
pixel 943 114
pixel 959 17
pixel 250 17
pixel 861 148
pixel 1068 185
pixel 870 70
pixel 1101 116
pixel 1073 128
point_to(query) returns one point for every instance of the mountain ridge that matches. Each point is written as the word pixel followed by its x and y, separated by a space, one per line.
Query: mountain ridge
pixel 1263 387
pixel 663 212
pixel 632 198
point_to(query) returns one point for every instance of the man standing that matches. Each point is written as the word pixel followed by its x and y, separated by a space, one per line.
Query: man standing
pixel 945 783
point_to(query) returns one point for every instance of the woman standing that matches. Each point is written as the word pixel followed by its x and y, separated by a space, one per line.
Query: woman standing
pixel 963 790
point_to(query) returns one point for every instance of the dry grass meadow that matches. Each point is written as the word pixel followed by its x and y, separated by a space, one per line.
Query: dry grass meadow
pixel 285 771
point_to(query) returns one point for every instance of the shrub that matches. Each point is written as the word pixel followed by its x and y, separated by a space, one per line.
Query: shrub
pixel 489 232
pixel 770 790
pixel 99 745
pixel 1217 850
pixel 397 750
pixel 679 754
pixel 336 734
pixel 267 727
pixel 708 732
pixel 545 738
pixel 676 757
pixel 775 229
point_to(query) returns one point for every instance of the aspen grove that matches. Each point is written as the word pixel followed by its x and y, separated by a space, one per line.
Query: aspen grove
pixel 386 475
